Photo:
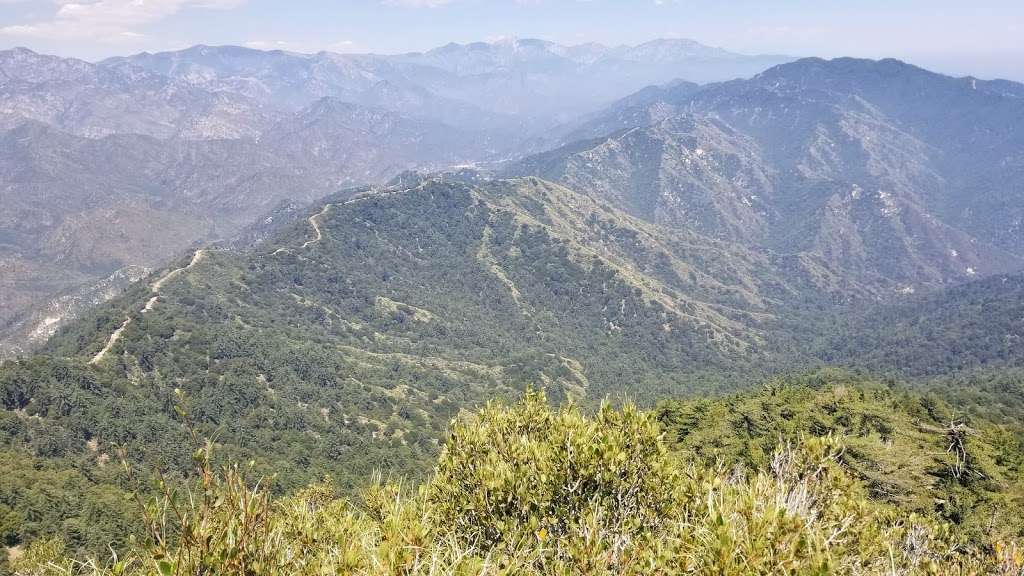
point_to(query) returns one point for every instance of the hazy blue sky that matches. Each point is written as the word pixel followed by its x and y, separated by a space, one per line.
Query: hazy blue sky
pixel 984 37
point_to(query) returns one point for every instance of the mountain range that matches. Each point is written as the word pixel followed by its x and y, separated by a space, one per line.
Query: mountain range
pixel 116 166
pixel 887 174
pixel 684 239
pixel 882 178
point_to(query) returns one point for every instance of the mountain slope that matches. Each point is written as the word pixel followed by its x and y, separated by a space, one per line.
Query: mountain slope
pixel 122 163
pixel 515 82
pixel 288 82
pixel 93 100
pixel 552 268
pixel 371 144
pixel 646 107
pixel 68 223
pixel 527 486
pixel 975 127
pixel 685 172
pixel 117 165
pixel 976 326
pixel 836 159
pixel 79 210
pixel 348 339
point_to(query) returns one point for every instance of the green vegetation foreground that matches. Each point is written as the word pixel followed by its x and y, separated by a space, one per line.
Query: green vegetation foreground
pixel 532 490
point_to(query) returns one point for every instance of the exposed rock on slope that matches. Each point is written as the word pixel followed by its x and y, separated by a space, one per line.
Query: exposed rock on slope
pixel 863 165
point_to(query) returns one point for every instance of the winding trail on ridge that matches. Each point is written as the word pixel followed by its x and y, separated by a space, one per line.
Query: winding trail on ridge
pixel 314 220
pixel 316 226
pixel 154 289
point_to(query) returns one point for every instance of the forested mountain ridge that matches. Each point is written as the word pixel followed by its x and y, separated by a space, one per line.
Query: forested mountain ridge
pixel 824 164
pixel 347 340
pixel 695 241
pixel 520 245
pixel 69 223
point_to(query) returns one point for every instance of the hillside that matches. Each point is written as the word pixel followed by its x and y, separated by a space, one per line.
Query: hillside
pixel 113 167
pixel 978 326
pixel 326 266
pixel 87 100
pixel 347 340
pixel 424 262
pixel 833 169
pixel 480 83
pixel 842 160
pixel 81 211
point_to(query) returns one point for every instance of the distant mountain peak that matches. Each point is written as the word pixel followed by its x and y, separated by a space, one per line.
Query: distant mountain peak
pixel 889 79
pixel 844 67
pixel 659 49
pixel 20 50
pixel 676 43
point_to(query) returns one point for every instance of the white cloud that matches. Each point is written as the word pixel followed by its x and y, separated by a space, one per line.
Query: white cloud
pixel 268 44
pixel 108 20
pixel 341 46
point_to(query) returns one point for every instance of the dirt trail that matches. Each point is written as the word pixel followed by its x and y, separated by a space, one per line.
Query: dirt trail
pixel 196 259
pixel 314 220
pixel 316 226
pixel 154 289
pixel 114 337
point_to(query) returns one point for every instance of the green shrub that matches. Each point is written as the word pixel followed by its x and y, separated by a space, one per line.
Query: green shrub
pixel 528 490
pixel 512 477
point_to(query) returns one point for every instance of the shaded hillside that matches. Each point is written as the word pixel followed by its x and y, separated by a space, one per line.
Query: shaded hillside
pixel 977 326
pixel 683 172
